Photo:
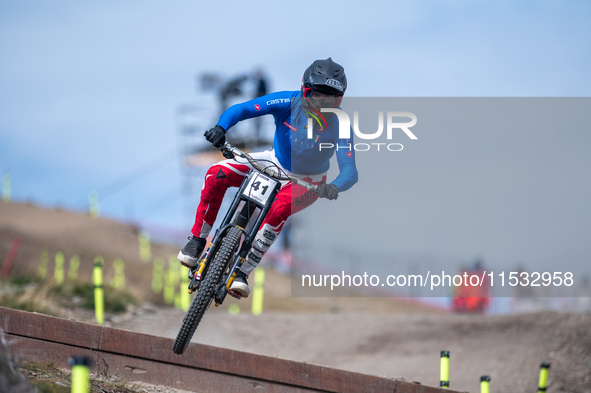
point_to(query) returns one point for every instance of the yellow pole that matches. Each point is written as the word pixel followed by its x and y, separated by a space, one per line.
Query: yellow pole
pixel 234 309
pixel 6 192
pixel 145 251
pixel 118 280
pixel 59 268
pixel 73 270
pixel 170 280
pixel 484 384
pixel 257 292
pixel 157 273
pixel 177 300
pixel 80 373
pixel 444 371
pixel 93 203
pixel 43 264
pixel 185 296
pixel 99 300
pixel 543 382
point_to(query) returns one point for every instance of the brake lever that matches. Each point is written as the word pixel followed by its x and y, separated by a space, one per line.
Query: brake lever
pixel 227 154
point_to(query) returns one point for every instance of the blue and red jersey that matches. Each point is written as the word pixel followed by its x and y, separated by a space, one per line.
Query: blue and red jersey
pixel 293 149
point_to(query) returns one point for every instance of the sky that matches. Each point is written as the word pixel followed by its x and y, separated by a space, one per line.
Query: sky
pixel 90 91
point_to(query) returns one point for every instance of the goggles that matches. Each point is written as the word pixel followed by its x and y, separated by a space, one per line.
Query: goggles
pixel 319 99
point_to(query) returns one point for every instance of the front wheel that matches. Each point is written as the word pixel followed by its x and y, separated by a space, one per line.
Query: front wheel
pixel 205 294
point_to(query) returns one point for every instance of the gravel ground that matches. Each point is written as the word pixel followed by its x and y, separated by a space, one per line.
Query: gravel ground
pixel 507 348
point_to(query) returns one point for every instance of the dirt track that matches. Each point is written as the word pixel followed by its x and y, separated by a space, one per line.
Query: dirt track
pixel 509 349
pixel 376 336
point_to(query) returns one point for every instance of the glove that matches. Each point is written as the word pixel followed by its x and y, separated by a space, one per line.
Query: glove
pixel 328 191
pixel 217 136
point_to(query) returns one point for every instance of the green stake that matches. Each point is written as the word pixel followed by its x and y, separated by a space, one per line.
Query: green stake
pixel 484 384
pixel 444 371
pixel 157 275
pixel 59 268
pixel 170 280
pixel 93 203
pixel 257 292
pixel 543 382
pixel 80 372
pixel 99 300
pixel 234 309
pixel 185 296
pixel 43 264
pixel 145 251
pixel 118 280
pixel 6 192
pixel 73 270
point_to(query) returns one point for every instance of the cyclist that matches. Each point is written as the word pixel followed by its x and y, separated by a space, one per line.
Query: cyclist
pixel 323 86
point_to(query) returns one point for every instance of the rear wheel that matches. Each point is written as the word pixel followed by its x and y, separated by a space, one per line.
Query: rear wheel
pixel 204 296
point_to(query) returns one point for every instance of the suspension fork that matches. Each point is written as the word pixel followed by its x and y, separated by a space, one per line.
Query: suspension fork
pixel 244 249
pixel 196 274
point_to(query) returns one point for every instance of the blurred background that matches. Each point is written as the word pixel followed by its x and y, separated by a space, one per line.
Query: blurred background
pixel 106 103
pixel 99 95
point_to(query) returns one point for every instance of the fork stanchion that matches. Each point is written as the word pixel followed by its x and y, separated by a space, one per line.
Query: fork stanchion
pixel 543 381
pixel 80 373
pixel 484 384
pixel 99 299
pixel 444 370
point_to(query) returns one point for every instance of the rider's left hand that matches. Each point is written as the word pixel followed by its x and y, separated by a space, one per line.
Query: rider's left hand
pixel 328 191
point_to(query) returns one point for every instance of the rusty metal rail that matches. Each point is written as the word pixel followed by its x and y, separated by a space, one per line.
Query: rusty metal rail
pixel 202 368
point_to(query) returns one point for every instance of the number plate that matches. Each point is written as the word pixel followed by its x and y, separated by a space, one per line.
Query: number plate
pixel 259 188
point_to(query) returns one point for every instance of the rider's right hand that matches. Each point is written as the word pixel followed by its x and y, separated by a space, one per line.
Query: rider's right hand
pixel 217 136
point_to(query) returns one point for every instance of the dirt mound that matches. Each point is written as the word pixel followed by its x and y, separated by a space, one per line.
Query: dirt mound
pixel 79 234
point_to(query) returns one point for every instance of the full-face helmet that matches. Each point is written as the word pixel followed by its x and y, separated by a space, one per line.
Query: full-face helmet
pixel 324 84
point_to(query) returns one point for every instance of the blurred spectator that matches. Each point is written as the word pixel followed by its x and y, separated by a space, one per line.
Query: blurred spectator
pixel 524 297
pixel 233 88
pixel 469 298
pixel 583 303
pixel 260 90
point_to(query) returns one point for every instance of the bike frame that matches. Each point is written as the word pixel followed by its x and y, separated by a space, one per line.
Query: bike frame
pixel 252 203
pixel 227 251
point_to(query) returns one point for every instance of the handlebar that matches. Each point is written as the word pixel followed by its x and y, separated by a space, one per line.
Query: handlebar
pixel 267 170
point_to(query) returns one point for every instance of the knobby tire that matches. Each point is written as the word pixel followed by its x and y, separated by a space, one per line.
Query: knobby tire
pixel 205 294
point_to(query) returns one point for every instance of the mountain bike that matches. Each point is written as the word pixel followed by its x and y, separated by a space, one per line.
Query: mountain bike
pixel 212 277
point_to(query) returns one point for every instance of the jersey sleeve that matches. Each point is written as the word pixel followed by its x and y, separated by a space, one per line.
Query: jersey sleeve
pixel 274 103
pixel 348 174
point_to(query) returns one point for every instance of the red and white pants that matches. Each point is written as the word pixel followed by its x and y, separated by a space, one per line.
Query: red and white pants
pixel 290 199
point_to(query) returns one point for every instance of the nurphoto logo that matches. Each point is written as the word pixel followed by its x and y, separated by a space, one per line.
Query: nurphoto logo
pixel 345 130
